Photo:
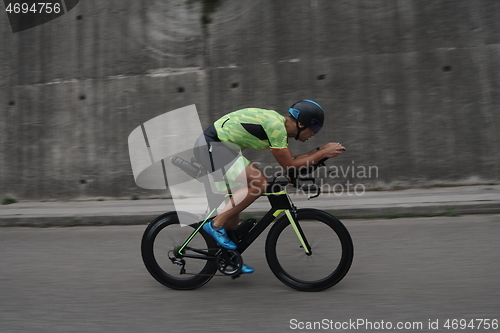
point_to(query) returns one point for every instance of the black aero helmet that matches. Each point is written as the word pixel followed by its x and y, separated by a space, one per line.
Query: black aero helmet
pixel 308 113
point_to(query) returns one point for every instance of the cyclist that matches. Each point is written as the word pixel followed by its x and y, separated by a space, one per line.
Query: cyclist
pixel 218 149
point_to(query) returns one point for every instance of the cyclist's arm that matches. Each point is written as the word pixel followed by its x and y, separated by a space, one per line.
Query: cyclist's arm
pixel 306 154
pixel 286 159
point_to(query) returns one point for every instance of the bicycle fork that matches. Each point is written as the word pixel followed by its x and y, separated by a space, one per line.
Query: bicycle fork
pixel 298 230
pixel 299 233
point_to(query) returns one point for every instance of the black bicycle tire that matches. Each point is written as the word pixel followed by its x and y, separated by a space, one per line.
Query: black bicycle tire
pixel 154 268
pixel 336 276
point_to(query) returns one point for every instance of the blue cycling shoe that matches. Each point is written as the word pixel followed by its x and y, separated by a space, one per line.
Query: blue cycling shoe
pixel 220 236
pixel 246 269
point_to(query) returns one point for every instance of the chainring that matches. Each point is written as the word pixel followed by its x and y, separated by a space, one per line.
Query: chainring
pixel 233 267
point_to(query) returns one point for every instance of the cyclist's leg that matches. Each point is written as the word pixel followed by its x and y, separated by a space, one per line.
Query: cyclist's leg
pixel 232 222
pixel 242 198
pixel 250 175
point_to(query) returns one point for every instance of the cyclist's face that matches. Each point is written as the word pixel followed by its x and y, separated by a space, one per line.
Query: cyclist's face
pixel 306 134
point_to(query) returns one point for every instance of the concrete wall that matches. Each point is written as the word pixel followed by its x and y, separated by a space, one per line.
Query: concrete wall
pixel 410 86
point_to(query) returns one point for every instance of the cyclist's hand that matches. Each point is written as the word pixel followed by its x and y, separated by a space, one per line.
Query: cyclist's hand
pixel 332 149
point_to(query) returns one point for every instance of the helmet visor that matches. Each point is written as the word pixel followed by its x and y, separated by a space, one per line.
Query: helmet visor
pixel 315 126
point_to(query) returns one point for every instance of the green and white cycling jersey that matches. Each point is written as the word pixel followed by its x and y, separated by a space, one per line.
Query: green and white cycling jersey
pixel 253 128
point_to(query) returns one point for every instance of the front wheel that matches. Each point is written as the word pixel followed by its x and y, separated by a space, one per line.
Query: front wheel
pixel 331 254
pixel 161 239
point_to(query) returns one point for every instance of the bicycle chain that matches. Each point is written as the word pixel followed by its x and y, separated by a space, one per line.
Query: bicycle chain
pixel 194 274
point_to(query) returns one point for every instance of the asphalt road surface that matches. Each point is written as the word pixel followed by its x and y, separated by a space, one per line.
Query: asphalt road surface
pixel 414 273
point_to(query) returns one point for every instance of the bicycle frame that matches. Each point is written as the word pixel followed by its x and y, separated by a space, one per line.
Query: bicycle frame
pixel 280 202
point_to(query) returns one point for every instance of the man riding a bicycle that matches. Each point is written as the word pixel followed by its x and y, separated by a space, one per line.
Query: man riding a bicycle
pixel 218 149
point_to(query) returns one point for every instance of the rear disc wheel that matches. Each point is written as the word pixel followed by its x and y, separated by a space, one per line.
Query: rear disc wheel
pixel 161 239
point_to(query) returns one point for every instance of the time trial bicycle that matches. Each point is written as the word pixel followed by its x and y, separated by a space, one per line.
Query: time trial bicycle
pixel 306 249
